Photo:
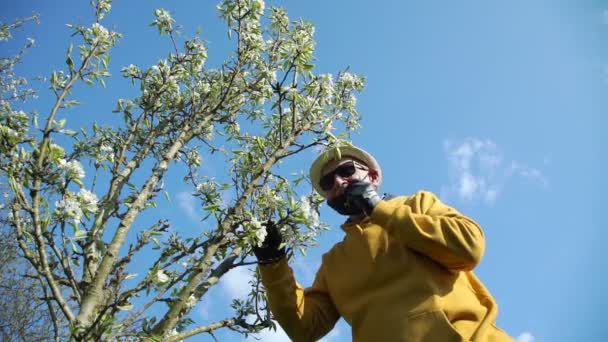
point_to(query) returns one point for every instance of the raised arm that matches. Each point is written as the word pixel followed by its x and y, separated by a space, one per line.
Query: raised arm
pixel 304 314
pixel 434 229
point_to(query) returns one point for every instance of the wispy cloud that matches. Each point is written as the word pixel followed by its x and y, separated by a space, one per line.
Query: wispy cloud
pixel 204 307
pixel 235 283
pixel 478 170
pixel 268 335
pixel 525 337
pixel 187 203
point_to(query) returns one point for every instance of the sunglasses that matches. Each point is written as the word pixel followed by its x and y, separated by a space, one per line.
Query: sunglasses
pixel 344 171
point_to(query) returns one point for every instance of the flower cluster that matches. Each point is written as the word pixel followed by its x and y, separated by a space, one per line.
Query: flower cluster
pixel 88 200
pixel 193 157
pixel 350 81
pixel 259 230
pixel 72 169
pixel 325 87
pixel 310 213
pixel 131 71
pixel 163 21
pixel 106 152
pixel 103 7
pixel 162 277
pixel 69 207
pixel 197 54
pixel 76 205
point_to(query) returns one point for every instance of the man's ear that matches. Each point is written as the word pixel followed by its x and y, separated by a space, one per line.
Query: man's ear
pixel 374 176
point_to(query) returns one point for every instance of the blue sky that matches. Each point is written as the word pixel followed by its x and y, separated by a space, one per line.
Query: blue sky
pixel 498 107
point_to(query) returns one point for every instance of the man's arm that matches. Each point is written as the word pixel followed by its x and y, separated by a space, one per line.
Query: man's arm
pixel 304 314
pixel 429 227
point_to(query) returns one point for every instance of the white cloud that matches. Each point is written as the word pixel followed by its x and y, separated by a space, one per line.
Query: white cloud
pixel 477 171
pixel 303 269
pixel 268 335
pixel 528 172
pixel 235 283
pixel 187 203
pixel 525 337
pixel 204 307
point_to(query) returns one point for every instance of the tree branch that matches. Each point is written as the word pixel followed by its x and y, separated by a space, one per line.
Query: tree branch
pixel 204 329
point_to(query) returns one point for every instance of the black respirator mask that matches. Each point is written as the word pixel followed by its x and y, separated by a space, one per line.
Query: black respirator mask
pixel 343 206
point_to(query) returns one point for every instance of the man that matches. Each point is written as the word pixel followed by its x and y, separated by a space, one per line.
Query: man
pixel 402 273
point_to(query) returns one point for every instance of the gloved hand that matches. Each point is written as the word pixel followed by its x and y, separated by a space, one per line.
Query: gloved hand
pixel 362 195
pixel 270 251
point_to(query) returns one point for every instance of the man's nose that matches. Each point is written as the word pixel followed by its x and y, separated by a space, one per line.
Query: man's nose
pixel 340 182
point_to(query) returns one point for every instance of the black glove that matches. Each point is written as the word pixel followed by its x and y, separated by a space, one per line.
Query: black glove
pixel 362 195
pixel 270 251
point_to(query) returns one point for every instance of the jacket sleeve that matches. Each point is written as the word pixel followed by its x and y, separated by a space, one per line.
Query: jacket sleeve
pixel 304 314
pixel 429 227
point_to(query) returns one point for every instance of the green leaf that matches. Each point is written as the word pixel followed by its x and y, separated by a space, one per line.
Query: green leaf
pixel 28 237
pixel 78 181
pixel 74 247
pixel 156 242
pixel 60 123
pixel 80 234
pixel 45 222
pixel 13 183
pixel 125 307
pixel 70 103
pixel 212 207
pixel 167 196
pixel 69 132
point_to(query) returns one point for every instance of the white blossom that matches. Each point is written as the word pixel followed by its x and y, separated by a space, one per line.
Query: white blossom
pixel 351 101
pixel 88 200
pixel 107 152
pixel 99 31
pixel 191 301
pixel 194 158
pixel 163 21
pixel 208 132
pixel 69 207
pixel 130 71
pixel 73 169
pixel 326 85
pixel 204 87
pixel 162 277
pixel 348 80
pixel 259 230
pixel 205 187
pixel 259 4
pixel 311 215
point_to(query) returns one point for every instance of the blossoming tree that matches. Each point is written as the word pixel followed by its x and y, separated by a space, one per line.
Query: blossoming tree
pixel 75 193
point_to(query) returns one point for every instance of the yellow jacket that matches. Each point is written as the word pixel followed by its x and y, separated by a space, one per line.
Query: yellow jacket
pixel 403 274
